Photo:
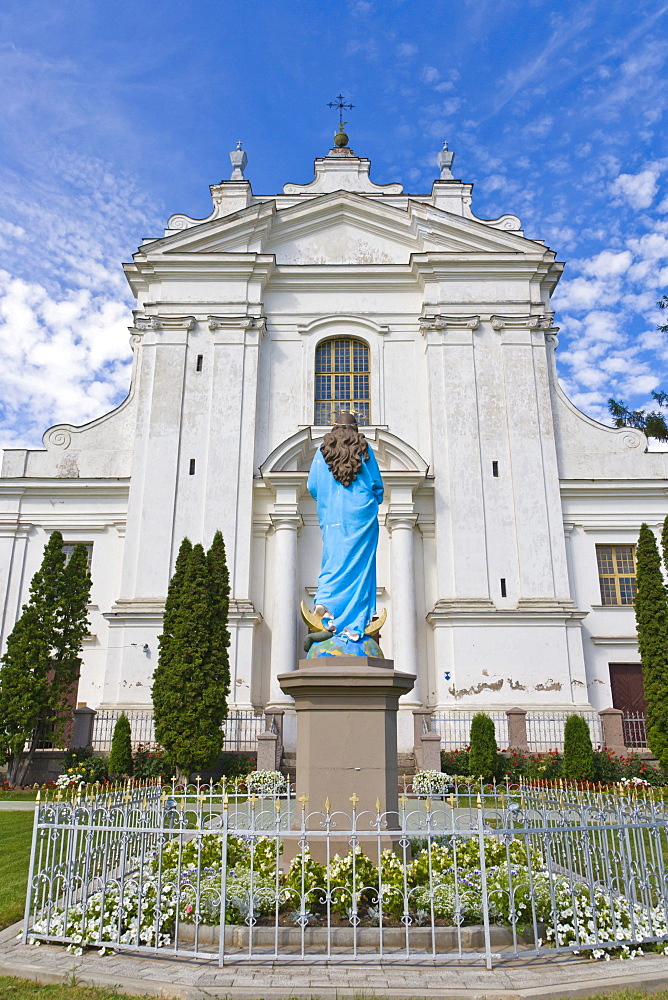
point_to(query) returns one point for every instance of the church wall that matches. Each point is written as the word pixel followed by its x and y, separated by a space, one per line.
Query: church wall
pixel 85 511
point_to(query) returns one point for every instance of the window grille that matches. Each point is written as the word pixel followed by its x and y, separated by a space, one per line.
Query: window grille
pixel 68 549
pixel 342 370
pixel 616 573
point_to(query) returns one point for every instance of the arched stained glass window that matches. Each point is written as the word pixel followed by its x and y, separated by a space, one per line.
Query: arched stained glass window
pixel 342 380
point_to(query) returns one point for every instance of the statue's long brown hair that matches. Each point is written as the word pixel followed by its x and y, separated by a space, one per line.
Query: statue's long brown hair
pixel 344 449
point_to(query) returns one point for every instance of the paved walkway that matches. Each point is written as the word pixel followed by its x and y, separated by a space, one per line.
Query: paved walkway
pixel 535 979
pixel 20 805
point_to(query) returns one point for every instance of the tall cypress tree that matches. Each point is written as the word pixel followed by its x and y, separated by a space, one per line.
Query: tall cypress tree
pixel 664 541
pixel 651 608
pixel 219 588
pixel 191 680
pixel 42 661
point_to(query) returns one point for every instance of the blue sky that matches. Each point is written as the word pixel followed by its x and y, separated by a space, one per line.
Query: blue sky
pixel 116 115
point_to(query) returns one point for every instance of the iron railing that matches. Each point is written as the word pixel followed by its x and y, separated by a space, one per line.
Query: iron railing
pixel 634 725
pixel 465 874
pixel 241 729
pixel 455 728
pixel 545 730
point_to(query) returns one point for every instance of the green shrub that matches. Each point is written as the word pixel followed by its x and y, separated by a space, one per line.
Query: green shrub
pixel 545 766
pixel 150 761
pixel 578 751
pixel 236 765
pixel 120 756
pixel 635 766
pixel 455 761
pixel 91 767
pixel 484 753
pixel 606 766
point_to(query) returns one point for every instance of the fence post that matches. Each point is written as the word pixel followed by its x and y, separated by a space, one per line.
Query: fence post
pixel 517 729
pixel 267 751
pixel 613 731
pixel 421 726
pixel 82 729
pixel 274 724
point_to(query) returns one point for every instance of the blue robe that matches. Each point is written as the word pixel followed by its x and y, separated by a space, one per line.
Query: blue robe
pixel 348 517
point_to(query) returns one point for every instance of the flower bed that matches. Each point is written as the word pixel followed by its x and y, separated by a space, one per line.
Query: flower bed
pixel 442 885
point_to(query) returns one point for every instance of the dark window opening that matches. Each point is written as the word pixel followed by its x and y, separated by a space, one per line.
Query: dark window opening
pixel 200 359
pixel 495 469
pixel 503 586
pixel 192 467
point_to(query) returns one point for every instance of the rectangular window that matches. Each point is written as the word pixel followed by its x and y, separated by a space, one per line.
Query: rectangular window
pixel 503 587
pixel 192 467
pixel 68 549
pixel 323 387
pixel 200 359
pixel 617 573
pixel 342 387
pixel 495 469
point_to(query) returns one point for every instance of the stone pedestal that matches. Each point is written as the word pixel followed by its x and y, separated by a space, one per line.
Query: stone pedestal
pixel 347 730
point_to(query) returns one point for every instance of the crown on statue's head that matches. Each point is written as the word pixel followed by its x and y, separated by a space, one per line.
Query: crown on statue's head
pixel 345 419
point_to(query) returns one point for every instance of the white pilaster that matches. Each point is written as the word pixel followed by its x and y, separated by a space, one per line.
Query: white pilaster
pixel 400 521
pixel 286 520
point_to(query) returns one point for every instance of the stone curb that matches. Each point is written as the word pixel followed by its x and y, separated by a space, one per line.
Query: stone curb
pixel 304 980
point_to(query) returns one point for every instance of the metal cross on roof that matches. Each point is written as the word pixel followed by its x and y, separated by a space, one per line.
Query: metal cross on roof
pixel 340 103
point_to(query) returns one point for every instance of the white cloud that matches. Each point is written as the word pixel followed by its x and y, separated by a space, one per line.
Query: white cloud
pixel 62 358
pixel 406 49
pixel 430 74
pixel 64 351
pixel 638 189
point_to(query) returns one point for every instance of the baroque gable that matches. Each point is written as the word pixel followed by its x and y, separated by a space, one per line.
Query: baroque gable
pixel 341 227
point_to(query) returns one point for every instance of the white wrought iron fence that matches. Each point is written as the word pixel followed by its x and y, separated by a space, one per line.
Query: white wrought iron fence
pixel 545 730
pixel 463 875
pixel 455 728
pixel 241 729
pixel 634 726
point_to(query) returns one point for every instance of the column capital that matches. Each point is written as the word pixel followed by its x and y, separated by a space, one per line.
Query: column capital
pixel 400 519
pixel 286 518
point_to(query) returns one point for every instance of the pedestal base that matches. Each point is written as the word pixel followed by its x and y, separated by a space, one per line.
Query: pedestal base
pixel 347 730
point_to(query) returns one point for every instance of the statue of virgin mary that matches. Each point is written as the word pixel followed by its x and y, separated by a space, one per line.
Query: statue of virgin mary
pixel 345 482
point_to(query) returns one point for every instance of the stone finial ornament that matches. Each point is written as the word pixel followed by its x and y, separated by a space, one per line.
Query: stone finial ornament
pixel 239 160
pixel 445 159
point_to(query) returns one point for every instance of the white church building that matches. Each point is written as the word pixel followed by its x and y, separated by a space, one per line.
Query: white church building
pixel 506 554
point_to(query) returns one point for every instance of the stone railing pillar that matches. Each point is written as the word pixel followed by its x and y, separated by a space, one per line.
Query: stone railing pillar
pixel 517 729
pixel 426 744
pixel 613 731
pixel 430 752
pixel 82 729
pixel 267 751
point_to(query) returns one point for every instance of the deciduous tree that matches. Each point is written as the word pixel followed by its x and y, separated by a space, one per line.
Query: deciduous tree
pixel 42 661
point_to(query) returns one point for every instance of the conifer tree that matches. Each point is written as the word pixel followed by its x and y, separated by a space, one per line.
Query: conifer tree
pixel 483 756
pixel 578 751
pixel 651 608
pixel 219 584
pixel 42 661
pixel 120 756
pixel 191 681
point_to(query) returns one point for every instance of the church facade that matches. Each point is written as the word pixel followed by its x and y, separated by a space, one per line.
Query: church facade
pixel 506 554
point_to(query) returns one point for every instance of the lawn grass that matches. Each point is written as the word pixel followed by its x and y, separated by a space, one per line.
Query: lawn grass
pixel 15 840
pixel 25 989
pixel 18 794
